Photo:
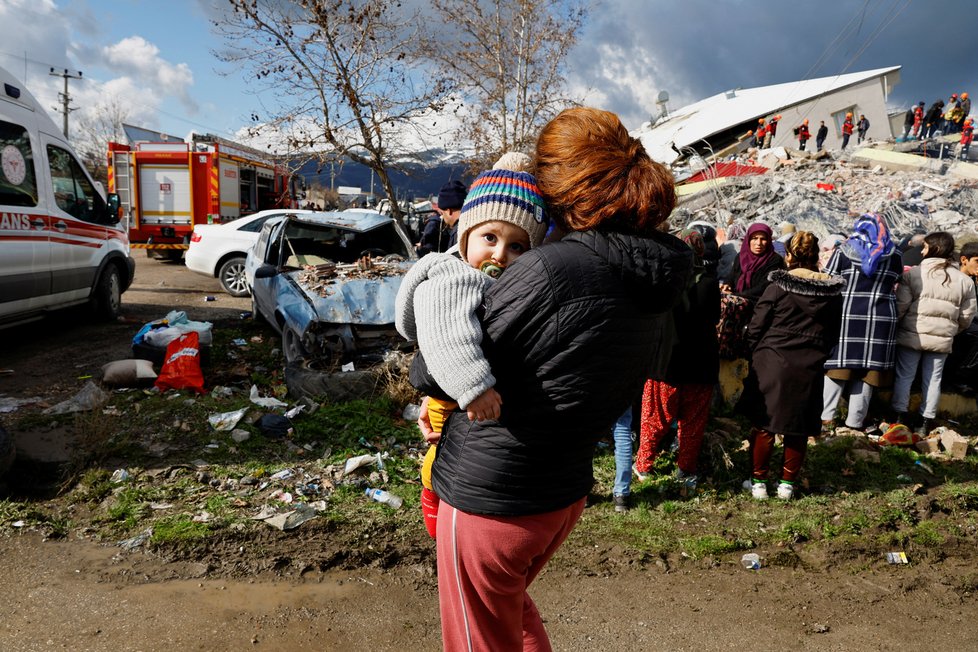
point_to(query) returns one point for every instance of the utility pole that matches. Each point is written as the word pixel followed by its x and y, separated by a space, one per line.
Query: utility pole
pixel 65 97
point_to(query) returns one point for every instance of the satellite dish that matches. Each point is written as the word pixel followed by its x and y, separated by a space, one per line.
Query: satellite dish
pixel 663 97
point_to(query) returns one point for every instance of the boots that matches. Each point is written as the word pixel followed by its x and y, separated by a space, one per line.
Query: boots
pixel 924 428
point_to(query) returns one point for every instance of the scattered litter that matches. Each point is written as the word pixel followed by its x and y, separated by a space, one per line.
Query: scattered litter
pixel 751 561
pixel 161 505
pixel 10 404
pixel 88 398
pixel 897 558
pixel 136 541
pixel 358 462
pixel 119 475
pixel 348 367
pixel 239 342
pixel 384 497
pixel 222 392
pixel 411 412
pixel 818 628
pixel 225 421
pixel 212 445
pixel 240 435
pixel 210 298
pixel 202 517
pixel 284 474
pixel 274 426
pixel 265 402
pixel 19 523
pixel 288 520
pixel 281 496
pixel 924 466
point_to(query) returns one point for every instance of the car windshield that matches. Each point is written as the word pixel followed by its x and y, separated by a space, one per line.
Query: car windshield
pixel 312 244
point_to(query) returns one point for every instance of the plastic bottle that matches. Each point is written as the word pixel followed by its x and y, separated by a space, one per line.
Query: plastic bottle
pixel 751 561
pixel 385 497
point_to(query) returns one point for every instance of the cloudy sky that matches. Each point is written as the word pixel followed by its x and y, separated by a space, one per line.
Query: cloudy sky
pixel 156 56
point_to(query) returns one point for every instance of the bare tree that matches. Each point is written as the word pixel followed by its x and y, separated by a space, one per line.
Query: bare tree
pixel 342 72
pixel 103 124
pixel 507 57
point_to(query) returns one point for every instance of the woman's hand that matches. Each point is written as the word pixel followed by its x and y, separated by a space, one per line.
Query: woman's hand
pixel 486 406
pixel 725 289
pixel 424 423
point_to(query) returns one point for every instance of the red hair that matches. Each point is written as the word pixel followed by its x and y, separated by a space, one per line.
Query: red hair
pixel 593 174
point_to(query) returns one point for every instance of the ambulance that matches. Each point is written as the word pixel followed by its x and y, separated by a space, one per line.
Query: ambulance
pixel 61 243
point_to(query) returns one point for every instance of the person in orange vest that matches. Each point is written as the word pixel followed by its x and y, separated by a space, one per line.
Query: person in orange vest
pixel 846 130
pixel 803 134
pixel 918 119
pixel 967 135
pixel 772 130
pixel 760 133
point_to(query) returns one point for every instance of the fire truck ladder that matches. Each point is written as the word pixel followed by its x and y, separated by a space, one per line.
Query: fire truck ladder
pixel 123 183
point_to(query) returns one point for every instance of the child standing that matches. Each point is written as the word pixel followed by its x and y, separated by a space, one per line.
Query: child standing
pixel 935 302
pixel 503 217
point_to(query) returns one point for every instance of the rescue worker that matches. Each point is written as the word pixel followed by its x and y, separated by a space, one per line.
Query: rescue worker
pixel 861 128
pixel 907 123
pixel 772 130
pixel 950 115
pixel 918 119
pixel 933 119
pixel 965 106
pixel 967 135
pixel 821 135
pixel 803 134
pixel 846 130
pixel 760 133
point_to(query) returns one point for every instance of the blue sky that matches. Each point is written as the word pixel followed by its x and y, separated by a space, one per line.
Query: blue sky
pixel 156 55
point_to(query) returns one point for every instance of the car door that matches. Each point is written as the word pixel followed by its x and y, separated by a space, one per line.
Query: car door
pixel 25 274
pixel 265 251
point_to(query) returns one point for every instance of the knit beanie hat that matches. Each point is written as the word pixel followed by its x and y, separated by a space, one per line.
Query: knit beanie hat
pixel 451 195
pixel 506 193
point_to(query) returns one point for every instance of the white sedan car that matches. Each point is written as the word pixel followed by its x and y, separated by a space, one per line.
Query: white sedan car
pixel 219 250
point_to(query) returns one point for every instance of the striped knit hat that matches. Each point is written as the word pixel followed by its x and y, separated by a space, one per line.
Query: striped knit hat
pixel 507 193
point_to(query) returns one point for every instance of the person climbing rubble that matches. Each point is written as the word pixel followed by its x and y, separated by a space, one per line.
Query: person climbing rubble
pixel 967 135
pixel 918 120
pixel 760 133
pixel 861 128
pixel 933 119
pixel 820 136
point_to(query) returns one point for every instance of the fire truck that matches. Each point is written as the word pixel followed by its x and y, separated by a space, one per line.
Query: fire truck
pixel 167 187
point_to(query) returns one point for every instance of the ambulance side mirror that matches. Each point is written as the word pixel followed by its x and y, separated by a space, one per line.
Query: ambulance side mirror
pixel 112 205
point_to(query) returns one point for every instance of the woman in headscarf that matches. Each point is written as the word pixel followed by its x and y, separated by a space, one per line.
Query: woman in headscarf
pixel 864 357
pixel 795 325
pixel 757 259
pixel 683 393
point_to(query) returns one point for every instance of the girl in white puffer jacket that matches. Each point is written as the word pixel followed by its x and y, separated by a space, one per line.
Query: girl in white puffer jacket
pixel 935 302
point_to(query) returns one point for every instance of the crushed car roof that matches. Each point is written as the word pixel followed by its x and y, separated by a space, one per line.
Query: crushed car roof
pixel 352 220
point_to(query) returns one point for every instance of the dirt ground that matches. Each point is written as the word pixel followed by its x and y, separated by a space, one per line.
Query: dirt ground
pixel 75 594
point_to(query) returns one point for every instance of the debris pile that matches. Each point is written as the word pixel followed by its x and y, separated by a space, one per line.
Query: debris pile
pixel 822 194
pixel 319 278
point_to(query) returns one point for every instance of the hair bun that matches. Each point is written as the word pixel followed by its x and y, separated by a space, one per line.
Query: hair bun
pixel 514 161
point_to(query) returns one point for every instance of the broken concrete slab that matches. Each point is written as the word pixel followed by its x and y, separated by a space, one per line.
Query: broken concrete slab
pixel 954 444
pixel 897 160
pixel 929 446
pixel 962 170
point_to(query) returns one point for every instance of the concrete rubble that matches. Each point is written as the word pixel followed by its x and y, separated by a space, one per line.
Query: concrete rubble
pixel 906 182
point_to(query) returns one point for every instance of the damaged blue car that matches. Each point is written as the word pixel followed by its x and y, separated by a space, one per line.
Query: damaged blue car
pixel 327 281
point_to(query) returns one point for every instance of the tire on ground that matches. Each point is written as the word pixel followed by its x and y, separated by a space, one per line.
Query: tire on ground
pixel 301 380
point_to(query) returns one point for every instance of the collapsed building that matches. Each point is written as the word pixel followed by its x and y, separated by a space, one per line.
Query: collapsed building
pixel 917 185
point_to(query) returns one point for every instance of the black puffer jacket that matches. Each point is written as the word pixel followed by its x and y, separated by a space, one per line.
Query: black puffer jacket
pixel 572 331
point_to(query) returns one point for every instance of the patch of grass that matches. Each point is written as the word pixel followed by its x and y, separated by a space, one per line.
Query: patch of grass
pixel 698 547
pixel 94 486
pixel 172 529
pixel 927 534
pixel 130 506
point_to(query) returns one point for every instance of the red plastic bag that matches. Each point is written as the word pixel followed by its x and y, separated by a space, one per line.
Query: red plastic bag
pixel 899 435
pixel 181 366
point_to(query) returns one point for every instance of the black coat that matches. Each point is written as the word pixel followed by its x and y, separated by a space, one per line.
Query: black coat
pixel 759 279
pixel 695 356
pixel 572 330
pixel 795 325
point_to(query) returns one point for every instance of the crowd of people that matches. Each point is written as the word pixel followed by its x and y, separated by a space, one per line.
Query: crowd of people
pixel 553 308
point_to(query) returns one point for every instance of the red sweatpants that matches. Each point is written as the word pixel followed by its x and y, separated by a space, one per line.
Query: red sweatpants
pixel 662 403
pixel 485 565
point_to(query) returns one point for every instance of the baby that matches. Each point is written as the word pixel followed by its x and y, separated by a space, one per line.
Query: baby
pixel 502 217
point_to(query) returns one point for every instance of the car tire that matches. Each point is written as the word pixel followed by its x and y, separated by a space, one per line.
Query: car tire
pixel 292 348
pixel 232 277
pixel 107 297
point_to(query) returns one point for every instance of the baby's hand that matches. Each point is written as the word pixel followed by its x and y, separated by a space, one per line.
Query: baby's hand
pixel 486 406
pixel 424 423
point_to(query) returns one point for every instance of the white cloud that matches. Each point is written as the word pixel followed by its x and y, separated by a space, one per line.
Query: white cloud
pixel 136 57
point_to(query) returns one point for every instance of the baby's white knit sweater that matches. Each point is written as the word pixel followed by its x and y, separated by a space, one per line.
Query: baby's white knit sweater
pixel 436 306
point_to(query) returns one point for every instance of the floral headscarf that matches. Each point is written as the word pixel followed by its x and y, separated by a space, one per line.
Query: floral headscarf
pixel 869 242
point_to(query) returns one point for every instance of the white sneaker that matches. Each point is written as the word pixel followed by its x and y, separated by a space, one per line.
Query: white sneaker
pixel 786 491
pixel 642 477
pixel 758 490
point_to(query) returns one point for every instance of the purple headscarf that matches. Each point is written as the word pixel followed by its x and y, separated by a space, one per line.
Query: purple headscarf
pixel 750 262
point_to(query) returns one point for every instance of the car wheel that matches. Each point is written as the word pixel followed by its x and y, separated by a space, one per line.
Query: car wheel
pixel 292 347
pixel 304 381
pixel 107 298
pixel 232 277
